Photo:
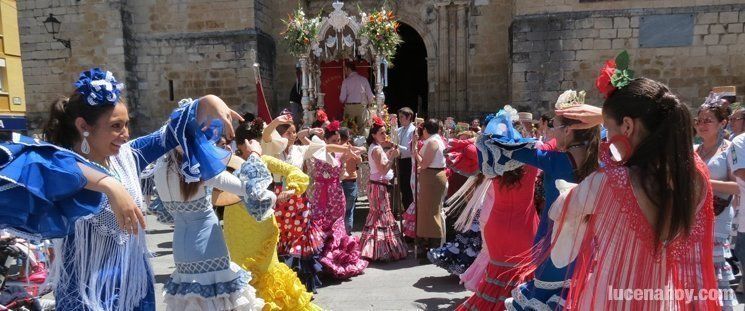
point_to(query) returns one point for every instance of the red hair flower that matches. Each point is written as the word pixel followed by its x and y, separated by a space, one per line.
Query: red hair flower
pixel 333 126
pixel 378 121
pixel 603 82
pixel 614 75
pixel 321 115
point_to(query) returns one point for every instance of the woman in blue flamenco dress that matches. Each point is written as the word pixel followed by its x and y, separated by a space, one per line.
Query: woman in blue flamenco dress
pixel 84 187
pixel 571 155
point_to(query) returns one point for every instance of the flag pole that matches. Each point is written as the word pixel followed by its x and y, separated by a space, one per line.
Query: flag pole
pixel 262 109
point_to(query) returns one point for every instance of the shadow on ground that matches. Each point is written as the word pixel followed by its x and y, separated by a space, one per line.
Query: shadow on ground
pixel 440 284
pixel 438 303
pixel 162 278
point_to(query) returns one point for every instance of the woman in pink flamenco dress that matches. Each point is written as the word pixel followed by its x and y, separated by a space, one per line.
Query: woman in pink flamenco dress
pixel 341 252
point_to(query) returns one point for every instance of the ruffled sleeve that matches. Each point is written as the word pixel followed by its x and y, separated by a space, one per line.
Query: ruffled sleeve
pixel 317 150
pixel 497 143
pixel 202 159
pixel 42 188
pixel 295 179
pixel 275 146
pixel 259 199
pixel 462 157
pixel 568 212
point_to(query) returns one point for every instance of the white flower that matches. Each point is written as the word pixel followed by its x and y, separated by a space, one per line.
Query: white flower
pixel 570 98
pixel 511 112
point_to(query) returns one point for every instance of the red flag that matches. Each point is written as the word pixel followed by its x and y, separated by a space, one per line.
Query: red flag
pixel 262 107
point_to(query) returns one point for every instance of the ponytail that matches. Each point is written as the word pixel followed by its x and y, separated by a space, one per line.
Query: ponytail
pixel 665 156
pixel 60 128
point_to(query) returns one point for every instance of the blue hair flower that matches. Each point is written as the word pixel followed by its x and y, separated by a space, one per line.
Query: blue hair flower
pixel 99 87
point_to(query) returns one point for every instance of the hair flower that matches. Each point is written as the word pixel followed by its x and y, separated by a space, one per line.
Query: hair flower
pixel 99 87
pixel 569 99
pixel 333 126
pixel 614 75
pixel 378 121
pixel 321 115
pixel 511 113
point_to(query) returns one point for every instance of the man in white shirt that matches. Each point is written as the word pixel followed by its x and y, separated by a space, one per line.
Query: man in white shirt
pixel 355 96
pixel 405 134
pixel 736 158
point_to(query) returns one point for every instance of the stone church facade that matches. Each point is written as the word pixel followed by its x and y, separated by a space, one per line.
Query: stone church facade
pixel 480 54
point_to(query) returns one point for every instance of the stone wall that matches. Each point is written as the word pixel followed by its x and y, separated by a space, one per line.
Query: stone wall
pixel 179 50
pixel 555 6
pixel 199 47
pixel 554 52
pixel 94 28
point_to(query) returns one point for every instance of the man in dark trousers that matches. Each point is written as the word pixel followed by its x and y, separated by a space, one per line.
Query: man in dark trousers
pixel 405 134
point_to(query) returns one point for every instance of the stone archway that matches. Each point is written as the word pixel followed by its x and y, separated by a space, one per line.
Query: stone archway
pixel 408 83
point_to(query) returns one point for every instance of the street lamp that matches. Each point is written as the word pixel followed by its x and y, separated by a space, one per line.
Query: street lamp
pixel 52 24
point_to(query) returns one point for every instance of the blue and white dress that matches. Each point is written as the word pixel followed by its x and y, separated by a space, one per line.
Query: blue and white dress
pixel 205 277
pixel 719 170
pixel 42 194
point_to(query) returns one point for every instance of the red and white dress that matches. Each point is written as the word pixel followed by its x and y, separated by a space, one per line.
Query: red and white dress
pixel 602 216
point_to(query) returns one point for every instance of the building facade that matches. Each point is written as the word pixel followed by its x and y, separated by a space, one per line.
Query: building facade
pixel 12 93
pixel 471 56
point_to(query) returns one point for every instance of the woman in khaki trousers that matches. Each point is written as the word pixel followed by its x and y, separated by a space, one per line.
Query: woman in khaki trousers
pixel 430 223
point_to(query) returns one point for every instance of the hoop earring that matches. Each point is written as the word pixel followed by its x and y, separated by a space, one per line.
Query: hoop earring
pixel 625 143
pixel 85 148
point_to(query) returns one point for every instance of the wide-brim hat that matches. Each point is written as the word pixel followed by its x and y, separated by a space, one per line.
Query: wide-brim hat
pixel 222 198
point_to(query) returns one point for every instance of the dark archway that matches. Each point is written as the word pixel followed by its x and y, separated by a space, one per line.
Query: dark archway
pixel 407 79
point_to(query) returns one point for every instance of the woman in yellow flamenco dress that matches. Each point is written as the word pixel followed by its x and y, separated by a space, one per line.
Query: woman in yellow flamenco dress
pixel 252 242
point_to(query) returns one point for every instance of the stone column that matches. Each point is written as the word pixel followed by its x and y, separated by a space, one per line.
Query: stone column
pixel 461 56
pixel 305 101
pixel 442 99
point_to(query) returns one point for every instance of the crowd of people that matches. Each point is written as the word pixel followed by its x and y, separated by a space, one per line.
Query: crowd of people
pixel 532 215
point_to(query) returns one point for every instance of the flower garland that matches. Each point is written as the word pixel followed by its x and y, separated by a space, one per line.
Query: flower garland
pixel 381 30
pixel 300 32
pixel 614 75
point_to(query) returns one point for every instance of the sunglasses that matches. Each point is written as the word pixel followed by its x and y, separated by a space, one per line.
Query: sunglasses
pixel 698 121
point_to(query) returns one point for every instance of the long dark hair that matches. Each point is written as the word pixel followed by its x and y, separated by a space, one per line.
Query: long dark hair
pixel 665 157
pixel 374 129
pixel 511 179
pixel 60 127
pixel 174 159
pixel 251 128
pixel 591 138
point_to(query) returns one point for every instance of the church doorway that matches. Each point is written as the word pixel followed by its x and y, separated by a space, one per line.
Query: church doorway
pixel 407 78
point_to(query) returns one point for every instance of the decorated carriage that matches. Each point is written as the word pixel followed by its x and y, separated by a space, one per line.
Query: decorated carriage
pixel 323 45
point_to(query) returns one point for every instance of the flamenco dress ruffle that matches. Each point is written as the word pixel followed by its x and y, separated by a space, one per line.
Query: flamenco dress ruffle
pixel 457 256
pixel 300 240
pixel 341 252
pixel 45 187
pixel 274 281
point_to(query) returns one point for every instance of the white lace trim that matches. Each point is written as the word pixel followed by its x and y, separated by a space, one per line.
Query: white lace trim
pixel 204 266
pixel 551 285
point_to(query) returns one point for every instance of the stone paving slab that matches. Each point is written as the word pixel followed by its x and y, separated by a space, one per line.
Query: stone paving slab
pixel 401 285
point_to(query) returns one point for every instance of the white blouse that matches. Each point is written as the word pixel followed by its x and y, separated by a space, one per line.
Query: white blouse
pixel 439 154
pixel 167 181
